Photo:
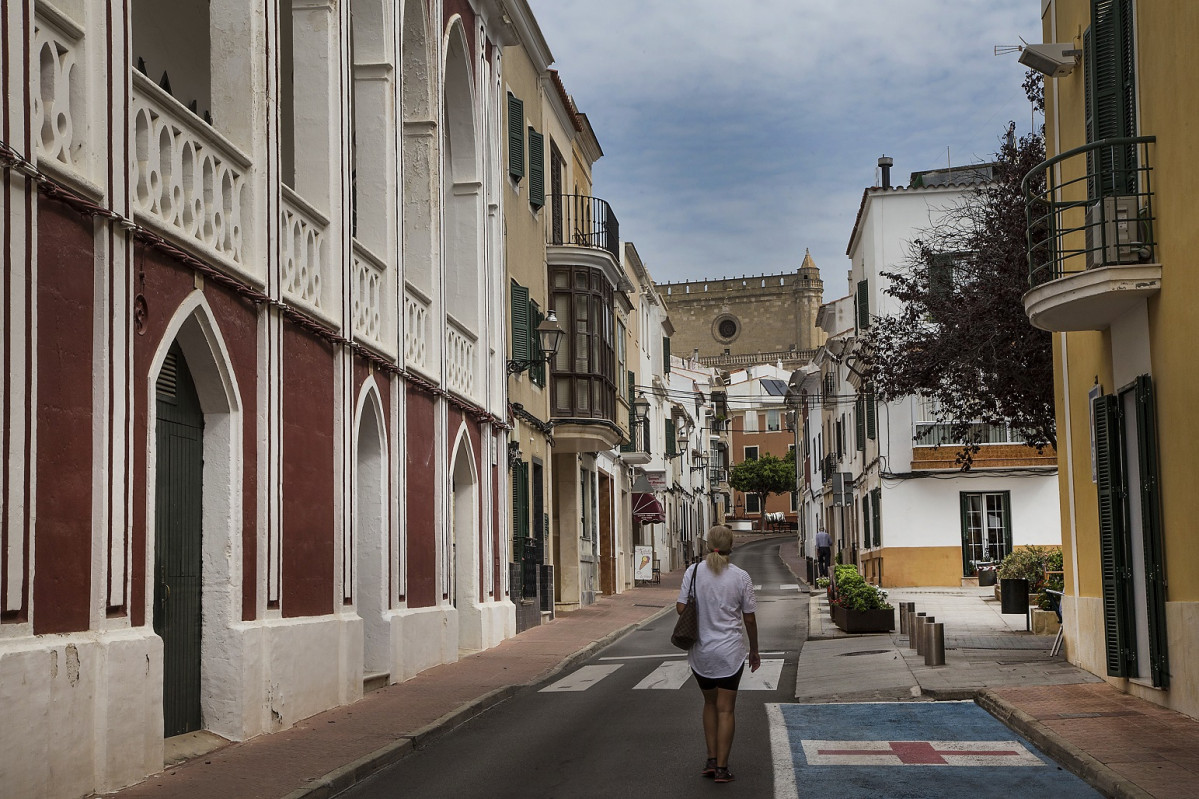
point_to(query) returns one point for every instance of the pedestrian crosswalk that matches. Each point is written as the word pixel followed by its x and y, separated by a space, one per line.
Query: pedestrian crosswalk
pixel 781 587
pixel 669 675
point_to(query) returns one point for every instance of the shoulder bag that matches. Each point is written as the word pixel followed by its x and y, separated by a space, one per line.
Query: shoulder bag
pixel 686 629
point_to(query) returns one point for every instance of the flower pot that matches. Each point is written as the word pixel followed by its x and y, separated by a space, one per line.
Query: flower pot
pixel 1013 596
pixel 986 577
pixel 863 621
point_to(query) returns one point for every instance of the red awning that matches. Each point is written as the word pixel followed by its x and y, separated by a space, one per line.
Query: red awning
pixel 647 509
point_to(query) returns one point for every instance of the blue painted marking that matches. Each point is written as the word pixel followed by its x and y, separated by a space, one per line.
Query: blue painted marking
pixel 912 721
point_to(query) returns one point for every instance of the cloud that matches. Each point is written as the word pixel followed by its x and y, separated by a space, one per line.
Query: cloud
pixel 738 135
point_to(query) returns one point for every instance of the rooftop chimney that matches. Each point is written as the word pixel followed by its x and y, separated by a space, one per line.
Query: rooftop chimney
pixel 885 165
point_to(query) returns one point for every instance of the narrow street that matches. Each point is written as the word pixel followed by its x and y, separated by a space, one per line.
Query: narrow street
pixel 626 723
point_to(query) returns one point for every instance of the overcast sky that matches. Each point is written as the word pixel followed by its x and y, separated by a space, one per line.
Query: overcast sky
pixel 736 134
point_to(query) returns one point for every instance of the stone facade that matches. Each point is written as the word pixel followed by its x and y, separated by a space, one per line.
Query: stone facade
pixel 746 320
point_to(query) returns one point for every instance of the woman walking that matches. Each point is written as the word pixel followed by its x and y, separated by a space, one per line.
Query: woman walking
pixel 725 602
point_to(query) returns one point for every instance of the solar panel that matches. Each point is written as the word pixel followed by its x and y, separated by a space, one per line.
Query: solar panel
pixel 774 387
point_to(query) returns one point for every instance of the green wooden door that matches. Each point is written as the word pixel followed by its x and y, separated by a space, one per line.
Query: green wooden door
pixel 177 543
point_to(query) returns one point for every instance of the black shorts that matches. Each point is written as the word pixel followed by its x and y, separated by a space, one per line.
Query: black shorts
pixel 729 683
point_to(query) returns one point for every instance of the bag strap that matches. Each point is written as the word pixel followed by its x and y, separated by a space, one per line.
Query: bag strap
pixel 694 575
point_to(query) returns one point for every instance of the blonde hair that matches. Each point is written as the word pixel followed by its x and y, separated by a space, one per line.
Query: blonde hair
pixel 720 544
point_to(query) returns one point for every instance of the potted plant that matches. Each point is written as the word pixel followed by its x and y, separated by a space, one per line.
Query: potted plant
pixel 859 607
pixel 1021 573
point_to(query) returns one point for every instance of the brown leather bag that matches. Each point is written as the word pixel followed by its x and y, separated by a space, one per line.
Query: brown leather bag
pixel 686 629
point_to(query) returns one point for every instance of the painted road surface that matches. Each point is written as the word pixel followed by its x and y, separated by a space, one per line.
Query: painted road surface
pixel 914 750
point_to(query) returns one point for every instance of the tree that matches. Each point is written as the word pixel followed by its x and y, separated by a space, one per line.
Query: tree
pixel 763 476
pixel 962 336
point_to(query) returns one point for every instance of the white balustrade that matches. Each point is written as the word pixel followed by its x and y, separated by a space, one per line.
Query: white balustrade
pixel 186 176
pixel 304 258
pixel 58 125
pixel 371 312
pixel 416 331
pixel 460 360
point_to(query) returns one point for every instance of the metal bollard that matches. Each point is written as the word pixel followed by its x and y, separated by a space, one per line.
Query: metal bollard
pixel 934 644
pixel 915 628
pixel 903 618
pixel 920 638
pixel 911 606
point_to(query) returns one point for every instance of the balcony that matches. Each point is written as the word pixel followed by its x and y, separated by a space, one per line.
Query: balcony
pixel 1091 238
pixel 576 220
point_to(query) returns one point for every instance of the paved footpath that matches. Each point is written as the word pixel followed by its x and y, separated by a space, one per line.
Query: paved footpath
pixel 328 752
pixel 1123 746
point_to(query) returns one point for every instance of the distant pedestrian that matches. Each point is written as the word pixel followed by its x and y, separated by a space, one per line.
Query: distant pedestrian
pixel 725 603
pixel 824 551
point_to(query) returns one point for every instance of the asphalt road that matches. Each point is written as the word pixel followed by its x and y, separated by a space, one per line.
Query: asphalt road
pixel 593 733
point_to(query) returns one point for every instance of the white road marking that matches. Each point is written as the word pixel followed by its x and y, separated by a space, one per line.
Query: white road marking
pixel 780 753
pixel 758 587
pixel 789 586
pixel 669 676
pixel 580 680
pixel 918 753
pixel 766 678
pixel 646 657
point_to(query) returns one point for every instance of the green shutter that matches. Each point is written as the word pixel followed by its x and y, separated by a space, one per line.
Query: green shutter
pixel 859 418
pixel 516 138
pixel 863 304
pixel 537 370
pixel 1151 523
pixel 1113 561
pixel 520 509
pixel 940 276
pixel 876 512
pixel 520 322
pixel 631 444
pixel 866 521
pixel 871 416
pixel 665 355
pixel 1110 94
pixel 670 443
pixel 536 169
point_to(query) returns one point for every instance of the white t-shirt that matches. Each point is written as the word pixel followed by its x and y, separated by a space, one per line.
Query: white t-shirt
pixel 722 600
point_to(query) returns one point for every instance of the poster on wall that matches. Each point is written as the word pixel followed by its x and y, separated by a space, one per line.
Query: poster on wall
pixel 644 558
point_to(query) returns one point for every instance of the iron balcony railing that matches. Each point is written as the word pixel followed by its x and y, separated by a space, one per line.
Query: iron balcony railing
pixel 1090 207
pixel 580 221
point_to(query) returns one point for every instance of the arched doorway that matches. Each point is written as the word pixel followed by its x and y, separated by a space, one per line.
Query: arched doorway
pixel 178 541
pixel 370 537
pixel 464 547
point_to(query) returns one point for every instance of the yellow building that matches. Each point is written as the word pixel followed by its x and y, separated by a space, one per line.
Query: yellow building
pixel 1110 272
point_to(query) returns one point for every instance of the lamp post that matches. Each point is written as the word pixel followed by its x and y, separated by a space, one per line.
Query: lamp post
pixel 549 337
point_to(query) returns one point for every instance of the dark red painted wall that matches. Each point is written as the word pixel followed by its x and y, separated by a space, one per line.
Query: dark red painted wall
pixel 308 474
pixel 65 307
pixel 462 7
pixel 165 283
pixel 420 500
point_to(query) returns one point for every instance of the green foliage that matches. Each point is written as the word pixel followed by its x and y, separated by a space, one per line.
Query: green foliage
pixel 766 475
pixel 854 593
pixel 1031 563
pixel 822 582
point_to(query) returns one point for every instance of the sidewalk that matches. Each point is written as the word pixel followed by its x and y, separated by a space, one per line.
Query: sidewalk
pixel 329 752
pixel 1121 745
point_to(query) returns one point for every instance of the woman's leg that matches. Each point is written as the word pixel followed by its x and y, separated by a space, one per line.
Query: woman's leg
pixel 725 705
pixel 710 720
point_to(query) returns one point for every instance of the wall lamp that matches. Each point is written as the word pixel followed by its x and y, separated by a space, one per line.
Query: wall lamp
pixel 699 463
pixel 513 453
pixel 549 337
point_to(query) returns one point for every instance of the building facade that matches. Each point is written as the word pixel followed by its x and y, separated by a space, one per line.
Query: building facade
pixel 256 419
pixel 1111 277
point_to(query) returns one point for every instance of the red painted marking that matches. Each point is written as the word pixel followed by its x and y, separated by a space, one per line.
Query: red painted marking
pixel 917 753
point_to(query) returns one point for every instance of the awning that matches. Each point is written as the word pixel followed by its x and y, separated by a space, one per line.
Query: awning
pixel 647 509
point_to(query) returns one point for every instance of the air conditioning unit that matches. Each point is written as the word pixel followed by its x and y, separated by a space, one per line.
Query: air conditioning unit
pixel 1112 236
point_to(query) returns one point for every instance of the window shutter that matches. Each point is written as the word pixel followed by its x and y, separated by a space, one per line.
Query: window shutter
pixel 520 509
pixel 863 305
pixel 876 513
pixel 670 442
pixel 1110 87
pixel 520 322
pixel 537 370
pixel 1112 558
pixel 940 276
pixel 871 416
pixel 536 169
pixel 1155 566
pixel 665 355
pixel 516 138
pixel 859 418
pixel 631 444
pixel 866 521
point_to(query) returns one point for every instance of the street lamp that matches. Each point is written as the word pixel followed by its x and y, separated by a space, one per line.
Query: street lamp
pixel 549 337
pixel 682 434
pixel 699 463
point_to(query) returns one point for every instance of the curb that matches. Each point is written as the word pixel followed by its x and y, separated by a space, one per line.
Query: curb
pixel 1078 762
pixel 340 779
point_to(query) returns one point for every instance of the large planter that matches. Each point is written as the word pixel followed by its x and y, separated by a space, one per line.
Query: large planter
pixel 863 621
pixel 986 577
pixel 1013 596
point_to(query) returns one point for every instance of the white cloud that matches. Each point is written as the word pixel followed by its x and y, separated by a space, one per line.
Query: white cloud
pixel 738 134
